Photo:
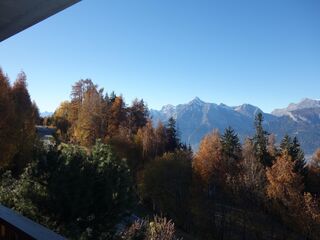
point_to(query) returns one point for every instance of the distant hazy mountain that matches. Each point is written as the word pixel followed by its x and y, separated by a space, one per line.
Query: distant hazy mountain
pixel 197 118
pixel 302 111
pixel 46 114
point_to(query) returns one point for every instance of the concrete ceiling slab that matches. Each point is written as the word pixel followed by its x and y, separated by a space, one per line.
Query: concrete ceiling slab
pixel 17 15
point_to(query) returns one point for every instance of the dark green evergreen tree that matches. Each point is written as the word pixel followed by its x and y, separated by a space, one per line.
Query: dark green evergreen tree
pixel 292 146
pixel 106 98
pixel 137 115
pixel 298 157
pixel 231 146
pixel 260 141
pixel 190 148
pixel 286 144
pixel 81 195
pixel 112 97
pixel 166 184
pixel 173 141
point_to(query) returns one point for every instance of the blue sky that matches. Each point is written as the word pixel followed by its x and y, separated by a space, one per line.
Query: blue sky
pixel 262 52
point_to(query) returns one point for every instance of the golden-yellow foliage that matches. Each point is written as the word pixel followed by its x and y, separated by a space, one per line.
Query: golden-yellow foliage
pixel 207 163
pixel 284 184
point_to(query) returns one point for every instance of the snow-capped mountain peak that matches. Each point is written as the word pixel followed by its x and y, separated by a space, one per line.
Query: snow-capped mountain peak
pixel 305 103
pixel 46 114
pixel 247 110
pixel 196 101
pixel 196 118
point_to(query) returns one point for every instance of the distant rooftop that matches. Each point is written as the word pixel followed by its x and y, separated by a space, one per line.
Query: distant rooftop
pixel 18 15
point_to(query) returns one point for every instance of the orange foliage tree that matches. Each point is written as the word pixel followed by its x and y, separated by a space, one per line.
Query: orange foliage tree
pixel 208 163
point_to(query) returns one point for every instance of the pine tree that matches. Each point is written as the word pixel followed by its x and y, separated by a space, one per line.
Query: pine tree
pixel 161 139
pixel 298 157
pixel 260 141
pixel 112 97
pixel 138 115
pixel 166 183
pixel 293 148
pixel 173 141
pixel 286 144
pixel 231 146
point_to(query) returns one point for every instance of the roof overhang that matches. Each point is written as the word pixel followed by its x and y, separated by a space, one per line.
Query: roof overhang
pixel 17 15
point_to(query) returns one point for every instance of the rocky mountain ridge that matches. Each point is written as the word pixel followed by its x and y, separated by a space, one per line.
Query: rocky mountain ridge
pixel 197 118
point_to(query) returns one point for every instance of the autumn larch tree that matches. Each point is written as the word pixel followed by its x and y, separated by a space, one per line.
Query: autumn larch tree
pixel 7 128
pixel 89 125
pixel 116 116
pixel 147 139
pixel 310 216
pixel 24 122
pixel 253 176
pixel 77 95
pixel 62 121
pixel 208 162
pixel 36 113
pixel 313 173
pixel 272 149
pixel 285 186
pixel 209 178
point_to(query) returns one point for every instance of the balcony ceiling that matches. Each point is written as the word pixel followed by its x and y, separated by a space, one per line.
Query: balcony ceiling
pixel 17 15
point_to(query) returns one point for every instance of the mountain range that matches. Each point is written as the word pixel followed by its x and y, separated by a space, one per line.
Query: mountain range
pixel 197 118
pixel 46 114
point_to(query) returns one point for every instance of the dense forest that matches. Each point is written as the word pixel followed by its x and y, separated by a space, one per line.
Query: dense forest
pixel 110 173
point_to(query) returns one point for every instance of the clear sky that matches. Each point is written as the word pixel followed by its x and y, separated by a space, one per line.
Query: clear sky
pixel 264 52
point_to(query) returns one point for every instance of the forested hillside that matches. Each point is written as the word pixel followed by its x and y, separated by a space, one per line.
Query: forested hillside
pixel 111 173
